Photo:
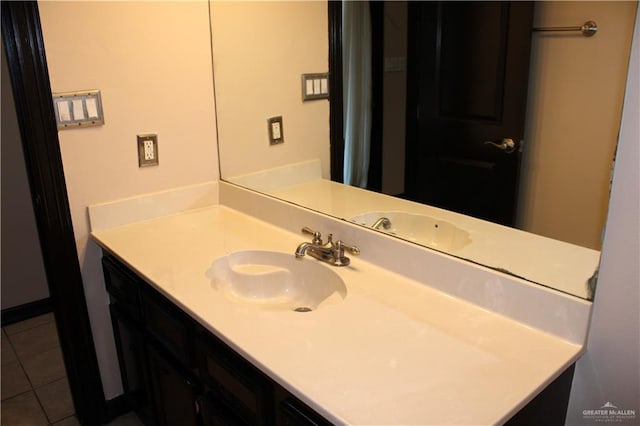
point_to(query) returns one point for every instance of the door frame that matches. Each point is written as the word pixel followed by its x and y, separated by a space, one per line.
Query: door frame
pixel 336 123
pixel 24 48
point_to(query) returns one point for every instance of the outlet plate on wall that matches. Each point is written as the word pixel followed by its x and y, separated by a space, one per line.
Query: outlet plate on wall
pixel 147 150
pixel 276 132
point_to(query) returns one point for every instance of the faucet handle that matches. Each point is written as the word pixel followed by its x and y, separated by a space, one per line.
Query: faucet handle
pixel 317 237
pixel 341 245
pixel 337 250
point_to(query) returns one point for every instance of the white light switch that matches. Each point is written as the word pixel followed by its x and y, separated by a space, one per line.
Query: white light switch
pixel 64 114
pixel 324 86
pixel 92 107
pixel 275 127
pixel 78 110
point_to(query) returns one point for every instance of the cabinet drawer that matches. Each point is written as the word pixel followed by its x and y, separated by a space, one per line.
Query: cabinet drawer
pixel 122 286
pixel 168 325
pixel 235 382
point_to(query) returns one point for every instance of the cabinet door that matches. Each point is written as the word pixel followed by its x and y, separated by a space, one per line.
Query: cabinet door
pixel 168 325
pixel 242 388
pixel 173 390
pixel 133 368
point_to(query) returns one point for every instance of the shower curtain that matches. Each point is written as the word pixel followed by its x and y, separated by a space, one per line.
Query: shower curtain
pixel 356 61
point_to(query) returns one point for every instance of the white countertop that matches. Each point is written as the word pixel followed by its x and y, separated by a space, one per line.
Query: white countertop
pixel 553 263
pixel 395 351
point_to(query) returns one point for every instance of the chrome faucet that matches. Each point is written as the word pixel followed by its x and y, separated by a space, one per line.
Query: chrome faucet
pixel 330 252
pixel 383 221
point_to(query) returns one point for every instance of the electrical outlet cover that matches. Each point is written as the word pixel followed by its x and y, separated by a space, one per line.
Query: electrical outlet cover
pixel 147 150
pixel 276 132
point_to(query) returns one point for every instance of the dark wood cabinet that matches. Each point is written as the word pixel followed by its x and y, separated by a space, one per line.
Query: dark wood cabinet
pixel 134 372
pixel 246 391
pixel 153 341
pixel 168 326
pixel 123 287
pixel 175 372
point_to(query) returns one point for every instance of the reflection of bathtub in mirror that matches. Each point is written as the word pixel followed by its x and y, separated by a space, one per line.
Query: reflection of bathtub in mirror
pixel 417 228
pixel 552 263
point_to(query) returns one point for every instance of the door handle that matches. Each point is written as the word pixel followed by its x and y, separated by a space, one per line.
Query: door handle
pixel 507 145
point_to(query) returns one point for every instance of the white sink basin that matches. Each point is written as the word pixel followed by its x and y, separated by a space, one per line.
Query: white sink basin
pixel 276 281
pixel 418 228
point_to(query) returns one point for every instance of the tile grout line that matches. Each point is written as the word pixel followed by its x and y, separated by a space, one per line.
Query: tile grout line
pixel 24 371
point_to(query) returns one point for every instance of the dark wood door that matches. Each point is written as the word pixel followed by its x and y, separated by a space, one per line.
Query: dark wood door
pixel 468 66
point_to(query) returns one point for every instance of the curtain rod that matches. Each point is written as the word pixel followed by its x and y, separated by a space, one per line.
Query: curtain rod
pixel 588 29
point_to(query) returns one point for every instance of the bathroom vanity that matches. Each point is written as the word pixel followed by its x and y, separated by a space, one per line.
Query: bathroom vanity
pixel 176 372
pixel 392 350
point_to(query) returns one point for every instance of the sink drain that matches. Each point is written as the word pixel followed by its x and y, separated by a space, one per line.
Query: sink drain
pixel 303 309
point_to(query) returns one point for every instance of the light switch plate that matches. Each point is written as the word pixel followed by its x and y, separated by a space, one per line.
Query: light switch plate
pixel 315 86
pixel 147 150
pixel 75 110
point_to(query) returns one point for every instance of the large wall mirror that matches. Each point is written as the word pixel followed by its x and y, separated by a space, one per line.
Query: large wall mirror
pixel 575 88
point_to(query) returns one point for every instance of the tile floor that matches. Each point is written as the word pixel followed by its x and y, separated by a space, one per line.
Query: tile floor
pixel 34 384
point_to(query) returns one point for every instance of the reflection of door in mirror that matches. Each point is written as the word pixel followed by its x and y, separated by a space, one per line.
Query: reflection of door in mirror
pixel 467 71
pixel 572 114
pixel 468 67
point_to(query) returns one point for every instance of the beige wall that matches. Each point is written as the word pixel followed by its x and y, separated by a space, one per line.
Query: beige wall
pixel 575 98
pixel 261 51
pixel 152 62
